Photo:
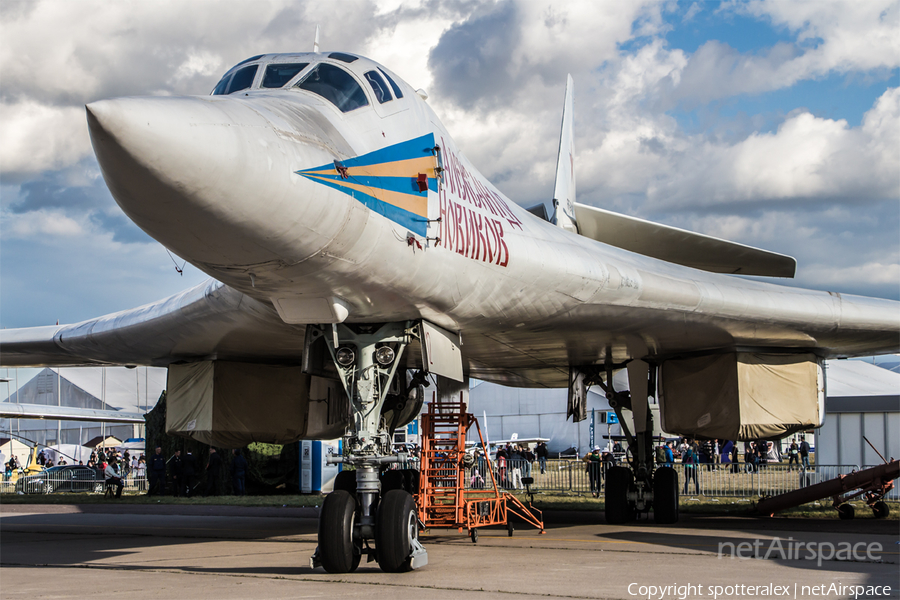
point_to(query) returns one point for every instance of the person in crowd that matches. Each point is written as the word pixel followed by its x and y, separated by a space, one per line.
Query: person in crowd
pixel 529 457
pixel 670 456
pixel 238 473
pixel 803 450
pixel 793 456
pixel 762 454
pixel 502 468
pixel 213 472
pixel 190 473
pixel 735 455
pixel 101 456
pixel 42 458
pixel 140 473
pixel 689 460
pixel 593 468
pixel 157 473
pixel 542 454
pixel 176 468
pixel 113 477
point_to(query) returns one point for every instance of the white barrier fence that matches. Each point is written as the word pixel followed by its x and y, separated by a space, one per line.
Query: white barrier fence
pixel 739 480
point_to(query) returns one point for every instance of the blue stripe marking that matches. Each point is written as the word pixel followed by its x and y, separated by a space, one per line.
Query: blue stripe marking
pixel 414 148
pixel 402 185
pixel 413 222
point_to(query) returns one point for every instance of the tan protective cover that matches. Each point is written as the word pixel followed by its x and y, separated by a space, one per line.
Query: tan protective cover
pixel 740 396
pixel 231 404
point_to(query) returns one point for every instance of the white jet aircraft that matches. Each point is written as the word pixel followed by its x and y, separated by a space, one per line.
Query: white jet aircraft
pixel 342 225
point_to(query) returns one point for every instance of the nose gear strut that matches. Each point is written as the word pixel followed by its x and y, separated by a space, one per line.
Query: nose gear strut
pixel 366 357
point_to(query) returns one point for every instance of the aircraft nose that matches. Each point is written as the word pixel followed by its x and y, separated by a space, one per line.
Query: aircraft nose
pixel 199 173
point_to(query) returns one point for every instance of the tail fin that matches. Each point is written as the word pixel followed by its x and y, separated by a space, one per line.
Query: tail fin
pixel 564 189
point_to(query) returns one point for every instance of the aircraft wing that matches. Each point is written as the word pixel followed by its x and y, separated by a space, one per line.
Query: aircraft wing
pixel 680 246
pixel 209 321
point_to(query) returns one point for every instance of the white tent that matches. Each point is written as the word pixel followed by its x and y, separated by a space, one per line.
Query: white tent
pixel 10 447
pixel 71 452
pixel 97 388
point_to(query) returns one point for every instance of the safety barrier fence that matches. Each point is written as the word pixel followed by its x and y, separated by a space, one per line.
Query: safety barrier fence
pixel 69 481
pixel 727 480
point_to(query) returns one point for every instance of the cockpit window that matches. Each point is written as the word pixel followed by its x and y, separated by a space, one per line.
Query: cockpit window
pixel 243 79
pixel 394 86
pixel 222 86
pixel 280 73
pixel 251 59
pixel 347 58
pixel 379 87
pixel 335 85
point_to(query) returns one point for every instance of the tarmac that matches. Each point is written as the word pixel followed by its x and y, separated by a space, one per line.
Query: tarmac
pixel 219 553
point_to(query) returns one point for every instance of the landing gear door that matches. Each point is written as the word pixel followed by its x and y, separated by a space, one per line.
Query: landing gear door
pixel 440 352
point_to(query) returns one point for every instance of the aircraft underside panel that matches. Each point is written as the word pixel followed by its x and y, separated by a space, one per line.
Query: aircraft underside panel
pixel 232 404
pixel 742 396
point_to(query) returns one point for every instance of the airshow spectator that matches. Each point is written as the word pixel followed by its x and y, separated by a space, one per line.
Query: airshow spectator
pixel 804 452
pixel 542 454
pixel 113 477
pixel 238 473
pixel 157 473
pixel 213 472
pixel 177 469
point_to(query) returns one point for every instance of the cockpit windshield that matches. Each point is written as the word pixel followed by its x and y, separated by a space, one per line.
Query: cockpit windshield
pixel 335 85
pixel 278 74
pixel 237 82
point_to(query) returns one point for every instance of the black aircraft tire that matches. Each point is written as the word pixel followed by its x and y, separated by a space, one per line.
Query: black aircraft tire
pixel 336 533
pixel 395 523
pixel 346 480
pixel 665 496
pixel 393 479
pixel 411 481
pixel 880 509
pixel 618 481
pixel 846 512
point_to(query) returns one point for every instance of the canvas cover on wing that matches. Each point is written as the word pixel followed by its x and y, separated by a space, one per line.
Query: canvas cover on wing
pixel 741 396
pixel 231 404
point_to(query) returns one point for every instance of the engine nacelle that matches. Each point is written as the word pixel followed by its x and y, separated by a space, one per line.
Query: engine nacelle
pixel 231 404
pixel 742 396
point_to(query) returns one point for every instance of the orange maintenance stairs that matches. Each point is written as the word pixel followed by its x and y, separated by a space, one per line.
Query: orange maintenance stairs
pixel 443 499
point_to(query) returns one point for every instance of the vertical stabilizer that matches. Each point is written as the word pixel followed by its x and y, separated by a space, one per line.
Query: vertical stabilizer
pixel 564 190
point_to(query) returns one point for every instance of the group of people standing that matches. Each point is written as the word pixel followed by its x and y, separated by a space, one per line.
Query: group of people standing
pixel 185 473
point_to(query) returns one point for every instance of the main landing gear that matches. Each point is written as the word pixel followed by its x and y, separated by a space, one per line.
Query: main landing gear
pixel 367 507
pixel 642 485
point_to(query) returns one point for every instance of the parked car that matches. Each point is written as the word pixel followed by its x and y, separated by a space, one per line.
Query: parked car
pixel 67 478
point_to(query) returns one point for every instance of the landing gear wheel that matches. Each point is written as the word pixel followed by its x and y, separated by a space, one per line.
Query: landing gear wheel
pixel 392 480
pixel 411 480
pixel 336 533
pixel 846 512
pixel 618 481
pixel 665 496
pixel 473 533
pixel 396 526
pixel 509 528
pixel 880 509
pixel 346 480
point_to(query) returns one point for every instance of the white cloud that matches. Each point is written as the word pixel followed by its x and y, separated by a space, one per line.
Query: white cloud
pixel 39 138
pixel 807 157
pixel 41 223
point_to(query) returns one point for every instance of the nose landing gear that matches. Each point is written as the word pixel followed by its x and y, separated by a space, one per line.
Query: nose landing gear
pixel 366 357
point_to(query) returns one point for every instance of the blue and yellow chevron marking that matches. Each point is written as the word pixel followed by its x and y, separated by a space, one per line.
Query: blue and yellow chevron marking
pixel 385 180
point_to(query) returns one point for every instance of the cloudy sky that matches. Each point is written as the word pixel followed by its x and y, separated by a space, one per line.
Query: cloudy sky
pixel 775 124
